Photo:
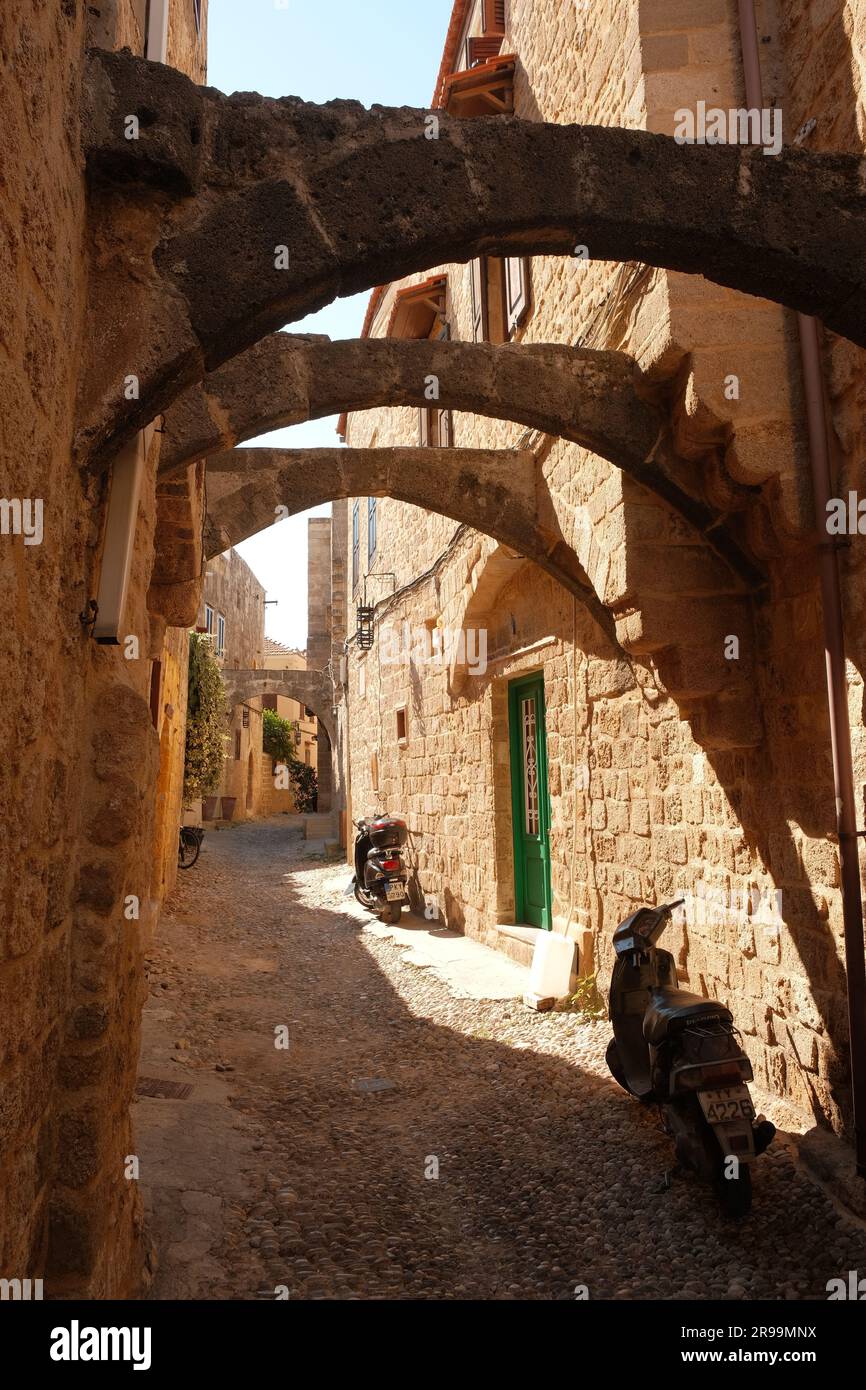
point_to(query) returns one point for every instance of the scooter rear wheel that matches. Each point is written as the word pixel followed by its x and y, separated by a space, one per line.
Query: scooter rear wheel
pixel 364 898
pixel 391 913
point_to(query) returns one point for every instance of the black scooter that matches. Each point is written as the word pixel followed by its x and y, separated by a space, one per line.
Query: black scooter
pixel 681 1052
pixel 380 874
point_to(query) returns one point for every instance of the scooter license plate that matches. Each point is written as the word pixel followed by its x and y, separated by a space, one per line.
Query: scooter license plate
pixel 394 892
pixel 726 1105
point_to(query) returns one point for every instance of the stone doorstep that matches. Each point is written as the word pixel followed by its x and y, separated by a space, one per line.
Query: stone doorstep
pixel 468 966
pixel 518 943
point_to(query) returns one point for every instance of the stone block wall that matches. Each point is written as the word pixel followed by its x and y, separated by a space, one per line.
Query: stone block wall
pixel 320 618
pixel 232 590
pixel 77 859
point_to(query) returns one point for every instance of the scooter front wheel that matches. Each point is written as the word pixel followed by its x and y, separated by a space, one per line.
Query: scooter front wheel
pixel 615 1066
pixel 617 1071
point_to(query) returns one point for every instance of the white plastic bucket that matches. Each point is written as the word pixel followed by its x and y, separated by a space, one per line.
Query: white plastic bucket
pixel 550 971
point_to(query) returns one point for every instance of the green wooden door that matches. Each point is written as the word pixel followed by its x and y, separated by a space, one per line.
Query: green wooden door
pixel 530 801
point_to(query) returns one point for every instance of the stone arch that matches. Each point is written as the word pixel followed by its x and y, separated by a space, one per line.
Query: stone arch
pixel 494 491
pixel 693 602
pixel 594 398
pixel 314 689
pixel 494 569
pixel 359 197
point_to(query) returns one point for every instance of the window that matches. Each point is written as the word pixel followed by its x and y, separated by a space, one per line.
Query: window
pixel 356 545
pixel 269 702
pixel 436 428
pixel 500 297
pixel 208 618
pixel 371 527
pixel 246 718
pixel 309 713
pixel 221 635
pixel 517 295
pixel 237 745
pixel 401 725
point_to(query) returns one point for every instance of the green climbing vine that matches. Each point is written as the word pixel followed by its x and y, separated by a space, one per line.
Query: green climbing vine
pixel 205 721
pixel 278 741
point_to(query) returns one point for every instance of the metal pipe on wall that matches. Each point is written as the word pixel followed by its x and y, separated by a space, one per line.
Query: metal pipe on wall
pixel 834 652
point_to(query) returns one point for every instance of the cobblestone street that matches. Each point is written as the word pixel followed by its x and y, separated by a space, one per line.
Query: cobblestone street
pixel 279 1169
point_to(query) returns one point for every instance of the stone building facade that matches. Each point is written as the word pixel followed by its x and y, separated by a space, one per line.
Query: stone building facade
pixel 232 612
pixel 687 752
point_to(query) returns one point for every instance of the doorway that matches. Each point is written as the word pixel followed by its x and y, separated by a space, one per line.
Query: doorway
pixel 250 781
pixel 530 801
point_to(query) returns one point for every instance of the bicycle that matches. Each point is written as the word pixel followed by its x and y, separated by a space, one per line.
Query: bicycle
pixel 189 845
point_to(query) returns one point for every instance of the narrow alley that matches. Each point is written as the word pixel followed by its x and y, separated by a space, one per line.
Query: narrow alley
pixel 310 1171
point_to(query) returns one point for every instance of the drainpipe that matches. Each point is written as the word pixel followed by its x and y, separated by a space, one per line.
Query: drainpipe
pixel 834 652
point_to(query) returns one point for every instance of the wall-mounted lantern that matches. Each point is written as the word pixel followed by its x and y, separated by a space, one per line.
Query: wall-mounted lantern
pixel 366 613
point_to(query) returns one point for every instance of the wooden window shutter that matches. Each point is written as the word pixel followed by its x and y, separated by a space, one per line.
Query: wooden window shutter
pixel 517 291
pixel 424 426
pixel 483 48
pixel 479 300
pixel 493 16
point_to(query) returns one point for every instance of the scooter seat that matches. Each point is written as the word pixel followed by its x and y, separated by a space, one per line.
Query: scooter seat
pixel 670 1007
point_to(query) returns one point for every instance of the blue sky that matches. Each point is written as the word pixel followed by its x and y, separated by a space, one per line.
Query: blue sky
pixel 385 51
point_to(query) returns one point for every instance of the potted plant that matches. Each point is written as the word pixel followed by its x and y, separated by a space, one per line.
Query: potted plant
pixel 228 806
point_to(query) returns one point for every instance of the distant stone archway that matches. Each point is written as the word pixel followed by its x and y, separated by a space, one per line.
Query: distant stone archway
pixel 313 689
pixel 321 201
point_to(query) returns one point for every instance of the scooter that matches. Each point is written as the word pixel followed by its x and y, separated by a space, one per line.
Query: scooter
pixel 681 1052
pixel 380 874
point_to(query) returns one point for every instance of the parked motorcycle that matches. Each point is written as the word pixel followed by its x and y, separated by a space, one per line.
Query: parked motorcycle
pixel 380 874
pixel 681 1052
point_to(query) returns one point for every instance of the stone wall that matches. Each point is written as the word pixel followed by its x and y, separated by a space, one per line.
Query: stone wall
pixel 319 623
pixel 78 884
pixel 654 793
pixel 232 591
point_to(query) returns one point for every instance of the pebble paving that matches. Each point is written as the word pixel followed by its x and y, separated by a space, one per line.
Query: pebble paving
pixel 409 1144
